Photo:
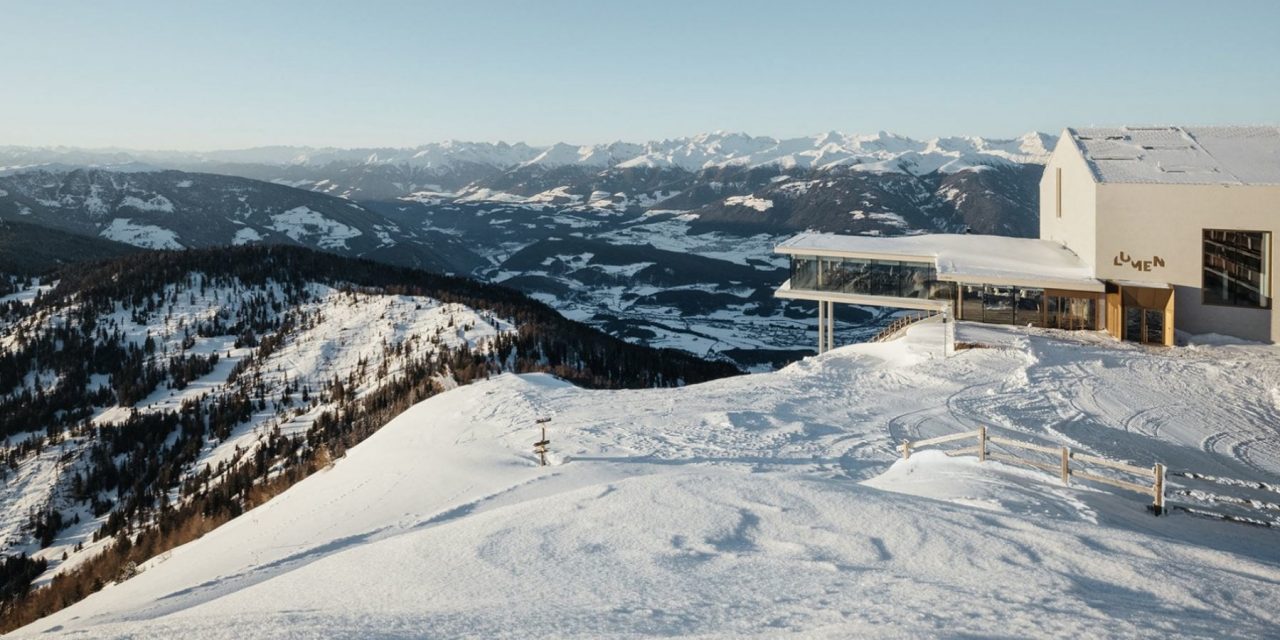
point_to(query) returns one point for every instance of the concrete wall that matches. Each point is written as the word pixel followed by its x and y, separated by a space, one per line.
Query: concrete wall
pixel 1145 221
pixel 1076 227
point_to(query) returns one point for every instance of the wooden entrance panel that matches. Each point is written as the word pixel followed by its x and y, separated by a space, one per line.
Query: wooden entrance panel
pixel 1115 317
pixel 1142 314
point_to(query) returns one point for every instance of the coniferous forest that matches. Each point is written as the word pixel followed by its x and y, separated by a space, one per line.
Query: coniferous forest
pixel 96 377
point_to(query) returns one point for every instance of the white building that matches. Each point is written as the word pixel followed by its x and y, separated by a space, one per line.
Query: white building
pixel 1142 230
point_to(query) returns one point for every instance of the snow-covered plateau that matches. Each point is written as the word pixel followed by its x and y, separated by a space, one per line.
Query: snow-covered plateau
pixel 757 506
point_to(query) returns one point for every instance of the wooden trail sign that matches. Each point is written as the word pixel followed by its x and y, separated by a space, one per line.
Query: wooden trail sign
pixel 540 447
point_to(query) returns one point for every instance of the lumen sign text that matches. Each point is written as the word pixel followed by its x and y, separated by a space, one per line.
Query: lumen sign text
pixel 1140 265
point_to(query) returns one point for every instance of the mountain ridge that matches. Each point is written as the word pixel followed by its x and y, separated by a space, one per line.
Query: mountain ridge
pixel 691 153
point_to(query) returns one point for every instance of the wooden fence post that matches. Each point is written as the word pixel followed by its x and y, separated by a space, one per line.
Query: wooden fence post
pixel 906 449
pixel 1158 490
pixel 1066 466
pixel 982 443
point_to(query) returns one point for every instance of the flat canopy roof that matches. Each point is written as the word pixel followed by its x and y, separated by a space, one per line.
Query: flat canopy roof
pixel 999 260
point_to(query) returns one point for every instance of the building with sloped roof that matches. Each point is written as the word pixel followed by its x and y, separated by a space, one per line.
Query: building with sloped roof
pixel 1143 231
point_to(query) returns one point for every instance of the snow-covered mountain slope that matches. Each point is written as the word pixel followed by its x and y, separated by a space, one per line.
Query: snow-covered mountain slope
pixel 756 506
pixel 175 210
pixel 29 249
pixel 342 336
pixel 165 392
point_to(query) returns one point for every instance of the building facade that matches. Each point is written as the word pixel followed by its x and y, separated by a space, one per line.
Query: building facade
pixel 1142 231
pixel 1181 217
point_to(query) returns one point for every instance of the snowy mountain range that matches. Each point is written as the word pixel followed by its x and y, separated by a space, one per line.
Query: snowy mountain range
pixel 593 213
pixel 881 151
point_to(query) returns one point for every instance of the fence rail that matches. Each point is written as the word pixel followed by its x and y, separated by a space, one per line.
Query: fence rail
pixel 1150 481
pixel 1257 511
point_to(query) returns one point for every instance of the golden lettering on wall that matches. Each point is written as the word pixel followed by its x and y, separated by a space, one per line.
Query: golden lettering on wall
pixel 1140 265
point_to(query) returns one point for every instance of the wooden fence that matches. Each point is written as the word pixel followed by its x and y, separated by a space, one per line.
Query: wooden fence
pixel 1247 502
pixel 1227 499
pixel 1068 464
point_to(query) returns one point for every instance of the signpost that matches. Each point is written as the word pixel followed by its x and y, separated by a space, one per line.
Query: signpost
pixel 540 447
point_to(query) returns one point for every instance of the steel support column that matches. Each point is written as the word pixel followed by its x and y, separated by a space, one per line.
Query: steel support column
pixel 822 325
pixel 831 325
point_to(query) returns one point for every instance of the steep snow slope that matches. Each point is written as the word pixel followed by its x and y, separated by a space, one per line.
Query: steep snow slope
pixel 756 505
pixel 345 335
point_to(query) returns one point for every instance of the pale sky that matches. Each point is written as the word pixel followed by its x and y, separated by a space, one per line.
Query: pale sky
pixel 230 74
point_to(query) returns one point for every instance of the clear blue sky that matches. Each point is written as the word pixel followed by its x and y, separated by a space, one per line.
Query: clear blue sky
pixel 180 74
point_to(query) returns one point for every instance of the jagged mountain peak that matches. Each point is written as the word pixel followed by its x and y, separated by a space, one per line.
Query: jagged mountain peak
pixel 699 151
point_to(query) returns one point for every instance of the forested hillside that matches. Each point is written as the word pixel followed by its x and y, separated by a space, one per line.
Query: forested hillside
pixel 145 400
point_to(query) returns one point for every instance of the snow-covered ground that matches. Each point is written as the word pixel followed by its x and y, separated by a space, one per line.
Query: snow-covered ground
pixel 759 505
pixel 147 236
pixel 348 338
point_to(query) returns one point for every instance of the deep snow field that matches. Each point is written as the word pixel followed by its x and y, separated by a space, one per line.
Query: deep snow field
pixel 762 505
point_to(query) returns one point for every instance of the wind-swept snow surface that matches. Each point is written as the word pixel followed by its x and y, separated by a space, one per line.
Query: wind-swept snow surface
pixel 760 505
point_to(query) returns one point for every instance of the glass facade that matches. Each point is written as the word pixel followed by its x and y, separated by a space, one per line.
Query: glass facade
pixel 997 304
pixel 890 278
pixel 1154 321
pixel 972 302
pixel 1029 307
pixel 1237 268
pixel 1067 312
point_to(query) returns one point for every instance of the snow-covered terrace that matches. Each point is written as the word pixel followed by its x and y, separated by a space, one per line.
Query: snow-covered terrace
pixel 978 259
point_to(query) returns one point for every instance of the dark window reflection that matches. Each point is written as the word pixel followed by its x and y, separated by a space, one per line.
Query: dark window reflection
pixel 1237 266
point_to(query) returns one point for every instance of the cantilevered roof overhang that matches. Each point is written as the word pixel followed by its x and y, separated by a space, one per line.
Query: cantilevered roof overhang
pixel 968 258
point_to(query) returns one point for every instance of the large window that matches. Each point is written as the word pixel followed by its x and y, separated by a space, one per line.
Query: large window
pixel 1237 268
pixel 1069 312
pixel 804 272
pixel 997 304
pixel 1029 308
pixel 862 276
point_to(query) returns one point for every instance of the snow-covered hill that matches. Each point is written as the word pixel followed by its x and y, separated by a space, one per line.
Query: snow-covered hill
pixel 357 338
pixel 149 398
pixel 757 506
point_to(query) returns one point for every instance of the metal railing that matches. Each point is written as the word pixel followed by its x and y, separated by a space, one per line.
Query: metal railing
pixel 901 323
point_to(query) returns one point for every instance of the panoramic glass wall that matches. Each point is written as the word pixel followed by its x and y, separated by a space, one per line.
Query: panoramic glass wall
pixel 891 278
pixel 973 302
pixel 1026 306
pixel 1070 312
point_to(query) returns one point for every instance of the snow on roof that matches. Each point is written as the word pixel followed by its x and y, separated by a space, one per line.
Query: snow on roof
pixel 1241 155
pixel 963 257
